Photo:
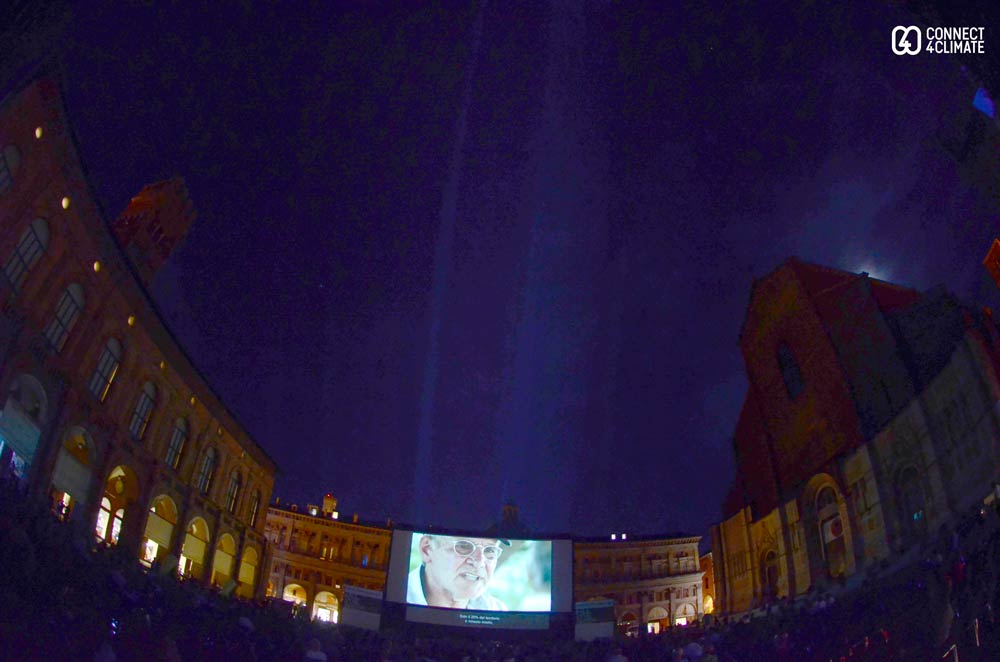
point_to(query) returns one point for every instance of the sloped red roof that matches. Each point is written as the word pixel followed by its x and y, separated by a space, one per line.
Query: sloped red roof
pixel 816 278
pixel 889 297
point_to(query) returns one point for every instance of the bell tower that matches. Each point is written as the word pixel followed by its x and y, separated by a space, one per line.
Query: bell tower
pixel 153 224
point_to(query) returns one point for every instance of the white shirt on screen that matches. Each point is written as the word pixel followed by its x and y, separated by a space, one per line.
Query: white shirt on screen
pixel 415 595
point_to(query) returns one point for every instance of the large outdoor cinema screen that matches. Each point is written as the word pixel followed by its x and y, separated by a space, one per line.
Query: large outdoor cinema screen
pixel 471 580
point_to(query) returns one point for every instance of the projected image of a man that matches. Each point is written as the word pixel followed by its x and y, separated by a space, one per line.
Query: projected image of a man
pixel 455 573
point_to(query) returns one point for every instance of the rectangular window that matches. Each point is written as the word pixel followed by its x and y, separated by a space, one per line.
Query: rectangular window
pixel 254 506
pixel 176 446
pixel 28 251
pixel 105 373
pixel 67 310
pixel 232 494
pixel 206 472
pixel 859 491
pixel 140 416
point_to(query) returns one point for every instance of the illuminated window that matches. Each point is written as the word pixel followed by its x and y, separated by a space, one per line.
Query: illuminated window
pixel 207 471
pixel 177 440
pixel 67 312
pixel 107 368
pixel 27 253
pixel 790 372
pixel 108 526
pixel 254 507
pixel 143 410
pixel 233 492
pixel 10 163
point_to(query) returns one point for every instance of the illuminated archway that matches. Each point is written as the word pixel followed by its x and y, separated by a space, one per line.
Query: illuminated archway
pixel 159 533
pixel 684 614
pixel 72 473
pixel 222 565
pixel 196 537
pixel 120 490
pixel 709 604
pixel 248 573
pixel 295 594
pixel 326 608
pixel 657 618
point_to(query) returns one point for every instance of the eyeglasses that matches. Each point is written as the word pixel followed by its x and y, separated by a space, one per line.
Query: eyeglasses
pixel 468 548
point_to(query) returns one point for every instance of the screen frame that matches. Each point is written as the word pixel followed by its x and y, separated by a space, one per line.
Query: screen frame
pixel 399 613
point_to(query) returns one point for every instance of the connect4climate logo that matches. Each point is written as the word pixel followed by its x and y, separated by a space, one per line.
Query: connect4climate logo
pixel 910 40
pixel 906 40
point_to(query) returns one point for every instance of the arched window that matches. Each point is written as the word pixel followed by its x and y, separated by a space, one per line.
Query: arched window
pixel 207 471
pixel 824 498
pixel 143 410
pixel 233 491
pixel 790 372
pixel 67 311
pixel 26 254
pixel 177 440
pixel 254 507
pixel 10 163
pixel 107 368
pixel 831 531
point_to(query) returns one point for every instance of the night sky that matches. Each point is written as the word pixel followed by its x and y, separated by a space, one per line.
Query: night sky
pixel 447 257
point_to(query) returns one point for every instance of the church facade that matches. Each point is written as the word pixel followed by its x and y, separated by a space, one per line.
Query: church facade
pixel 869 423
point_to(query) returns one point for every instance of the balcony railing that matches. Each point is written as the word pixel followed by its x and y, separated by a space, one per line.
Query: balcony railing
pixel 303 550
pixel 622 575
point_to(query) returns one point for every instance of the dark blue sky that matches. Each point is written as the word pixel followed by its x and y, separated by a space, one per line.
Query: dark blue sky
pixel 528 253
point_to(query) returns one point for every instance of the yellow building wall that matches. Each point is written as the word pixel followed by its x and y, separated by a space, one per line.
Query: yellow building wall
pixel 799 555
pixel 735 536
pixel 766 534
pixel 865 506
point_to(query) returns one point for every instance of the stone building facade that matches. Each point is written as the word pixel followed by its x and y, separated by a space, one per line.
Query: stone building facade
pixel 314 555
pixel 708 582
pixel 654 582
pixel 869 423
pixel 103 412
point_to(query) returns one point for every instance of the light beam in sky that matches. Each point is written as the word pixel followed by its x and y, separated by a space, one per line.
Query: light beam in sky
pixel 442 271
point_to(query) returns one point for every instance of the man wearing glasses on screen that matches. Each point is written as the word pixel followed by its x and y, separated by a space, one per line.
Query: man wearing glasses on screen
pixel 455 573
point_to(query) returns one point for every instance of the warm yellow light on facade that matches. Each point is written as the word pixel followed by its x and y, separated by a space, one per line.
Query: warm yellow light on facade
pixel 163 365
pixel 219 431
pixel 65 203
pixel 97 266
pixel 38 132
pixel 131 320
pixel 192 401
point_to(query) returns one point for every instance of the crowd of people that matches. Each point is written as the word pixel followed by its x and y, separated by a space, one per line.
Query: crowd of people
pixel 64 597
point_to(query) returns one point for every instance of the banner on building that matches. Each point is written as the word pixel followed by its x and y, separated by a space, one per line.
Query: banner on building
pixel 833 528
pixel 362 608
pixel 18 430
pixel 595 620
pixel 71 476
